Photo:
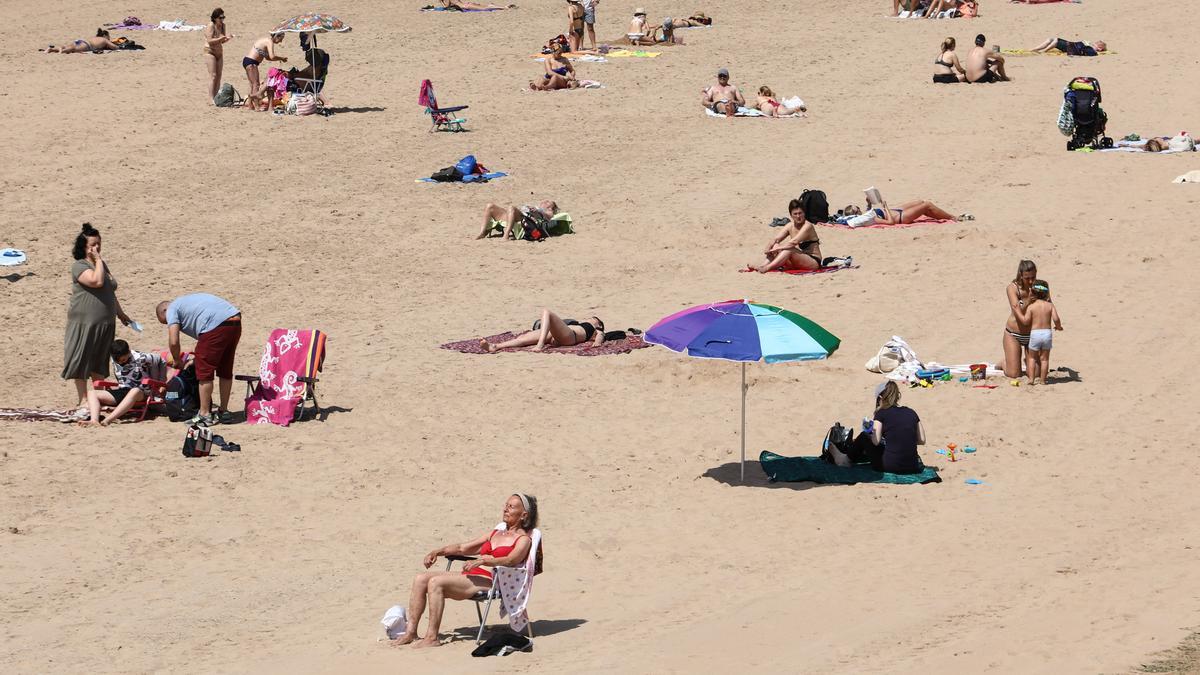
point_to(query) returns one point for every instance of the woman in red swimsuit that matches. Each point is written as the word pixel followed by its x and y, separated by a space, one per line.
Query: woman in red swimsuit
pixel 498 548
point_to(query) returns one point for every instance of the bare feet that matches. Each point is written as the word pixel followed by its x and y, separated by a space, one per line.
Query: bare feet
pixel 491 348
pixel 482 235
pixel 404 639
pixel 429 641
pixel 88 423
pixel 538 348
pixel 1031 382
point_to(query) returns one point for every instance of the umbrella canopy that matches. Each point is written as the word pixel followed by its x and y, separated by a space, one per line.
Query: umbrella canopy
pixel 312 22
pixel 740 330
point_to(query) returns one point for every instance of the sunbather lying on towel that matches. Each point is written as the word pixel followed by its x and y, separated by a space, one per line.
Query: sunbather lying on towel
pixel 552 331
pixel 493 213
pixel 464 5
pixel 99 43
pixel 722 98
pixel 906 213
pixel 560 74
pixel 797 247
pixel 499 548
pixel 1072 48
pixel 773 108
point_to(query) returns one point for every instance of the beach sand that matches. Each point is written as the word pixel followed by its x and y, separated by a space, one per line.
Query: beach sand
pixel 1078 554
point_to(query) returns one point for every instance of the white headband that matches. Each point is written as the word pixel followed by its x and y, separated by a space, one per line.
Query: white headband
pixel 524 501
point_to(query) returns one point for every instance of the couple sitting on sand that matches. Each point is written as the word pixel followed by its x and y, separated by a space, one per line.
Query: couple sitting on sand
pixel 983 65
pixel 643 32
pixel 724 98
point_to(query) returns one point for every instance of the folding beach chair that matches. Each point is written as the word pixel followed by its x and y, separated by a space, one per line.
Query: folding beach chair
pixel 443 118
pixel 485 597
pixel 157 383
pixel 287 377
pixel 319 59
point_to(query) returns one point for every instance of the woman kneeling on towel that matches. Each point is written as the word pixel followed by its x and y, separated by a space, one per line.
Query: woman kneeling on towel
pixel 553 331
pixel 890 440
pixel 499 548
pixel 797 247
pixel 1016 331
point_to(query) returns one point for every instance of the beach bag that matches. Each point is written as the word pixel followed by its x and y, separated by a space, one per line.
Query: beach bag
pixel 226 96
pixel 1181 143
pixel 1066 119
pixel 197 442
pixel 449 174
pixel 466 165
pixel 815 205
pixel 536 226
pixel 839 443
pixel 304 104
pixel 885 361
pixel 182 397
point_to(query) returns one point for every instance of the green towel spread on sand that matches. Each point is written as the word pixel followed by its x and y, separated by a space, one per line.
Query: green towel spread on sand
pixel 817 470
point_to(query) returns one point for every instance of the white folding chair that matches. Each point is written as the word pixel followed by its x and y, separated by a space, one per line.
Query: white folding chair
pixel 484 597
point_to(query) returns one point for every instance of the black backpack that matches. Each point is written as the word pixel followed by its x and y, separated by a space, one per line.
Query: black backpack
pixel 841 438
pixel 815 205
pixel 450 174
pixel 182 399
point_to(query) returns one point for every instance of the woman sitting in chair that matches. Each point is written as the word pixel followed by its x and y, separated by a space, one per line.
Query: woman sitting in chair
pixel 499 548
pixel 553 331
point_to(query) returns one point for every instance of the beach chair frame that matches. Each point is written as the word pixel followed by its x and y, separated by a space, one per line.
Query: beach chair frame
pixel 484 599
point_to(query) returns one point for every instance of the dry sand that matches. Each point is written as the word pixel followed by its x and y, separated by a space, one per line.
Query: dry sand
pixel 1078 555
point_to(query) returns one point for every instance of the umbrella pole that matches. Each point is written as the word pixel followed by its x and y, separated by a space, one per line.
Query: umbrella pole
pixel 743 421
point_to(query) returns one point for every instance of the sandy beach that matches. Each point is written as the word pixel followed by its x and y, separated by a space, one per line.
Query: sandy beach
pixel 1077 554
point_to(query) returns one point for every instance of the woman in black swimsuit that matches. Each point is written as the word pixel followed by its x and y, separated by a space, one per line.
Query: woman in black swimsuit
pixel 947 63
pixel 797 247
pixel 553 331
pixel 263 49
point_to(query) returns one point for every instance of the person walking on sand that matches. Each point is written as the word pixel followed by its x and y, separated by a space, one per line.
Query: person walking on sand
pixel 723 98
pixel 216 326
pixel 214 51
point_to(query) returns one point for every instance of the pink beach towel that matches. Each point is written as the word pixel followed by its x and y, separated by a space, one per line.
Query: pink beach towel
pixel 288 356
pixel 426 97
pixel 623 346
pixel 923 220
pixel 277 80
pixel 823 270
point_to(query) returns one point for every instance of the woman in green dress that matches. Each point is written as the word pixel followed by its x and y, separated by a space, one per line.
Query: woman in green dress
pixel 90 325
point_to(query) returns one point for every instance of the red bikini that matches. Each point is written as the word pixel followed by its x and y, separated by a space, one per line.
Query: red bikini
pixel 497 552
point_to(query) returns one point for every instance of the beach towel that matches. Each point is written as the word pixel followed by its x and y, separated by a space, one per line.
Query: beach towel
pixel 633 53
pixel 288 355
pixel 823 270
pixel 817 470
pixel 10 257
pixel 748 112
pixel 1139 147
pixel 516 584
pixel 1052 52
pixel 622 346
pixel 178 26
pixel 447 9
pixel 558 225
pixel 923 220
pixel 572 56
pixel 476 178
pixel 36 415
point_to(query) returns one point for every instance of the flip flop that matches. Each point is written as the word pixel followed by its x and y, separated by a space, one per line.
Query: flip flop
pixel 975 481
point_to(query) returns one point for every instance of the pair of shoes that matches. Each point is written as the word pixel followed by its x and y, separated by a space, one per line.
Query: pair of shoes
pixel 201 420
pixel 780 222
pixel 225 417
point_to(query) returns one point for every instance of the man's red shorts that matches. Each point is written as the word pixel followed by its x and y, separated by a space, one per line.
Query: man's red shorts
pixel 215 351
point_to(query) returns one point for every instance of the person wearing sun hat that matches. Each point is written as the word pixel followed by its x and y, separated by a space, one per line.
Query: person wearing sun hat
pixel 637 26
pixel 723 98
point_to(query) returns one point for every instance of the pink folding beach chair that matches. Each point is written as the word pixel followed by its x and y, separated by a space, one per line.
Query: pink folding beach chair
pixel 287 377
pixel 443 118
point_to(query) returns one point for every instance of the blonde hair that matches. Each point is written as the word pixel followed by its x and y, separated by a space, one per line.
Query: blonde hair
pixel 1023 267
pixel 765 91
pixel 948 44
pixel 889 397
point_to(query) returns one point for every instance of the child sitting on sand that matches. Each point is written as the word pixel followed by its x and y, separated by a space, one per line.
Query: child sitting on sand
pixel 1040 313
pixel 130 368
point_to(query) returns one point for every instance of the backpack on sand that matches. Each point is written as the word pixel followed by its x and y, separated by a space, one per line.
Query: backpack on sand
pixel 815 205
pixel 182 398
pixel 838 447
pixel 227 96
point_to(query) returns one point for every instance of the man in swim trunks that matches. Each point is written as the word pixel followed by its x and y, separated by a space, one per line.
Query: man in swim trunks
pixel 589 19
pixel 984 65
pixel 723 98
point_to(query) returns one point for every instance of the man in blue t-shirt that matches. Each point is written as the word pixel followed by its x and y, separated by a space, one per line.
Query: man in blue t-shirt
pixel 216 325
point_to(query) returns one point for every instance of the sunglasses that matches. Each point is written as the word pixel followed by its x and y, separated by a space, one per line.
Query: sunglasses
pixel 222 17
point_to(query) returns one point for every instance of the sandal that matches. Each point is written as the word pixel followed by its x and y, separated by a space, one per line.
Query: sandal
pixel 966 216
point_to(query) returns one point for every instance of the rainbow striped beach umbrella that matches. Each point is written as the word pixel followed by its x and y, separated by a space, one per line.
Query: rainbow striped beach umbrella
pixel 741 330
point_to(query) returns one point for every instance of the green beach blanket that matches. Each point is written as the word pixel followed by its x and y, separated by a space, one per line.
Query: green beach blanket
pixel 817 470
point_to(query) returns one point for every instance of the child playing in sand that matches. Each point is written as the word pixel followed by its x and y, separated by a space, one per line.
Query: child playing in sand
pixel 131 368
pixel 1040 313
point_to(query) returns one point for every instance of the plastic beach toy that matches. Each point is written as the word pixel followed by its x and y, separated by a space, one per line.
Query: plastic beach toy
pixel 968 449
pixel 974 481
pixel 11 256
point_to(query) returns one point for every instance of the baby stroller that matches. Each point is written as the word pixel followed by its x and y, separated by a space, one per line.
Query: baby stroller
pixel 1082 118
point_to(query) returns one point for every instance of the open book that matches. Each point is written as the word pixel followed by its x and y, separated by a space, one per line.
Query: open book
pixel 874 199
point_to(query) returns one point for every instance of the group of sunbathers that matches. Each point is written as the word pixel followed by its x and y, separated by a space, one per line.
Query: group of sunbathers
pixel 644 32
pixel 726 99
pixel 935 9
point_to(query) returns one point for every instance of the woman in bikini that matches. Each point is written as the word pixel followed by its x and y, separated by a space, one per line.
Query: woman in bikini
pixel 773 108
pixel 947 63
pixel 96 44
pixel 499 548
pixel 552 331
pixel 560 74
pixel 464 6
pixel 214 51
pixel 511 216
pixel 1016 331
pixel 263 49
pixel 797 247
pixel 909 212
